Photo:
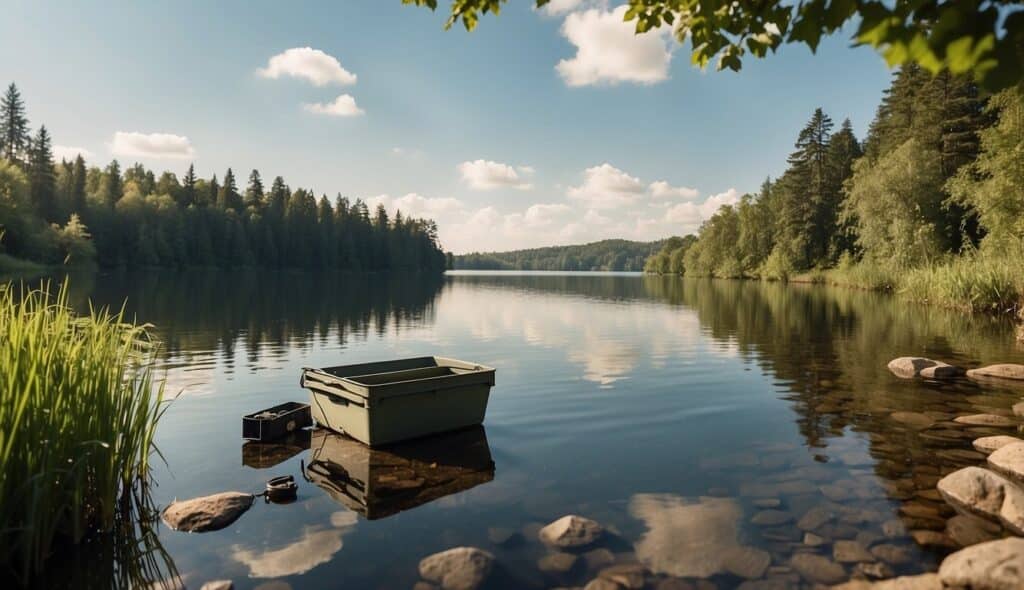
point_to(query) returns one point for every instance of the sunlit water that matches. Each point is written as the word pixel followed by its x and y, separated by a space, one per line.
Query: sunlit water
pixel 671 411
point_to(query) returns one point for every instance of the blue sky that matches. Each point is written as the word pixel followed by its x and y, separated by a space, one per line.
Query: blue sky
pixel 484 131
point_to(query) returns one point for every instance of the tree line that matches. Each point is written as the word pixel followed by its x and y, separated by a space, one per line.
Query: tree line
pixel 69 212
pixel 938 179
pixel 605 255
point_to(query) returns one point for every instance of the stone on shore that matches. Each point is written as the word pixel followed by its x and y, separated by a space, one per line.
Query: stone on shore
pixel 988 444
pixel 979 492
pixel 1009 460
pixel 985 420
pixel 571 531
pixel 1000 371
pixel 461 568
pixel 908 367
pixel 207 513
pixel 995 565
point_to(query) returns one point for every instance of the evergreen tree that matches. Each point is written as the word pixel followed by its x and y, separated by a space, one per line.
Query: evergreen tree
pixel 41 177
pixel 78 180
pixel 228 197
pixel 188 188
pixel 254 192
pixel 843 151
pixel 14 132
pixel 111 189
pixel 212 193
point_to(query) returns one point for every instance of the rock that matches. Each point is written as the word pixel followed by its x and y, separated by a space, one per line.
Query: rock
pixel 927 538
pixel 767 503
pixel 208 513
pixel 971 530
pixel 602 584
pixel 921 582
pixel 894 528
pixel 873 571
pixel 977 491
pixel 747 562
pixel 985 420
pixel 461 568
pixel 557 563
pixel 571 531
pixel 914 420
pixel 598 558
pixel 817 569
pixel 218 585
pixel 908 367
pixel 771 518
pixel 812 540
pixel 814 518
pixel 893 554
pixel 987 444
pixel 503 536
pixel 1001 371
pixel 994 565
pixel 628 575
pixel 1009 460
pixel 850 552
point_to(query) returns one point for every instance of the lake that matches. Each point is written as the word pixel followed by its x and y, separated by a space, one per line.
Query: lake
pixel 691 418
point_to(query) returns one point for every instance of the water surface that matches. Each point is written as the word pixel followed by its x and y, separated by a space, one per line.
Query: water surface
pixel 672 411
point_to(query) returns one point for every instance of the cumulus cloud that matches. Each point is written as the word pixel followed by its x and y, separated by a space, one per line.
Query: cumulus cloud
pixel 560 7
pixel 66 152
pixel 151 145
pixel 309 64
pixel 545 214
pixel 609 51
pixel 416 205
pixel 690 215
pixel 607 187
pixel 343 106
pixel 487 175
pixel 663 190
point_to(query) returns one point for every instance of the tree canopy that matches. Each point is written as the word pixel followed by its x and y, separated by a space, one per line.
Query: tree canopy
pixel 982 38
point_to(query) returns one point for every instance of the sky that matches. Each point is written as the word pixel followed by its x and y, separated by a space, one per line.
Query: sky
pixel 541 127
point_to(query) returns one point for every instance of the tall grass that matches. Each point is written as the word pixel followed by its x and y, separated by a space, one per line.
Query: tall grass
pixel 79 404
pixel 970 283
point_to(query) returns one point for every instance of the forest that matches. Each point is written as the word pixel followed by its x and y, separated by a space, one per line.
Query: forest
pixel 79 215
pixel 607 255
pixel 929 204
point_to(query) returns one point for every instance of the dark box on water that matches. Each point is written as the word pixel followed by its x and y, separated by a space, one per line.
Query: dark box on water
pixel 275 422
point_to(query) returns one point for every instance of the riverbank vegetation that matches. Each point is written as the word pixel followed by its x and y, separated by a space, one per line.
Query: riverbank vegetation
pixel 605 255
pixel 71 213
pixel 930 204
pixel 79 403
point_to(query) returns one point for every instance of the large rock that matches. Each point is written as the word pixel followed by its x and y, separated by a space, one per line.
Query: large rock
pixel 1009 460
pixel 971 530
pixel 208 513
pixel 461 568
pixel 817 569
pixel 995 565
pixel 987 444
pixel 985 420
pixel 921 582
pixel 908 367
pixel 1000 371
pixel 571 531
pixel 977 491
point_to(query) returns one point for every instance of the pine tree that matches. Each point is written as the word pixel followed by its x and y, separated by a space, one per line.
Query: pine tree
pixel 806 195
pixel 78 178
pixel 14 132
pixel 188 188
pixel 112 188
pixel 228 197
pixel 254 192
pixel 41 177
pixel 843 151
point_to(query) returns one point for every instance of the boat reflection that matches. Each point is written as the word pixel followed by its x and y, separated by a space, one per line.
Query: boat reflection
pixel 378 483
pixel 264 455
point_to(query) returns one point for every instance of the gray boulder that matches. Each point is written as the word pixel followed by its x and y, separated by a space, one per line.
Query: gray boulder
pixel 995 565
pixel 571 531
pixel 987 444
pixel 1009 460
pixel 908 367
pixel 979 492
pixel 208 513
pixel 1000 371
pixel 461 568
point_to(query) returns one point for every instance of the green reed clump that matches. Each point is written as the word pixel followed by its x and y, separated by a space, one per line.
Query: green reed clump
pixel 78 408
pixel 970 282
pixel 863 274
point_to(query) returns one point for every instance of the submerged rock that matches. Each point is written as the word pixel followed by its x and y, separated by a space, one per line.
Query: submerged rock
pixel 921 582
pixel 817 569
pixel 977 491
pixel 994 565
pixel 850 552
pixel 771 517
pixel 987 444
pixel 1000 371
pixel 218 585
pixel 631 576
pixel 461 568
pixel 207 513
pixel 747 562
pixel 971 530
pixel 1009 460
pixel 557 563
pixel 914 420
pixel 985 420
pixel 571 531
pixel 908 367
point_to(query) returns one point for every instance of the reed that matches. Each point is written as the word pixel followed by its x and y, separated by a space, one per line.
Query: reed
pixel 970 283
pixel 79 404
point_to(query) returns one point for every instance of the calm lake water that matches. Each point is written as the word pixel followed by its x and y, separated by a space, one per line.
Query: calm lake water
pixel 675 412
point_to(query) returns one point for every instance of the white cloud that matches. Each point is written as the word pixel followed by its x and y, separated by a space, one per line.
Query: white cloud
pixel 560 7
pixel 151 145
pixel 544 214
pixel 416 205
pixel 309 64
pixel 343 106
pixel 690 215
pixel 661 189
pixel 66 152
pixel 488 175
pixel 608 50
pixel 607 187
